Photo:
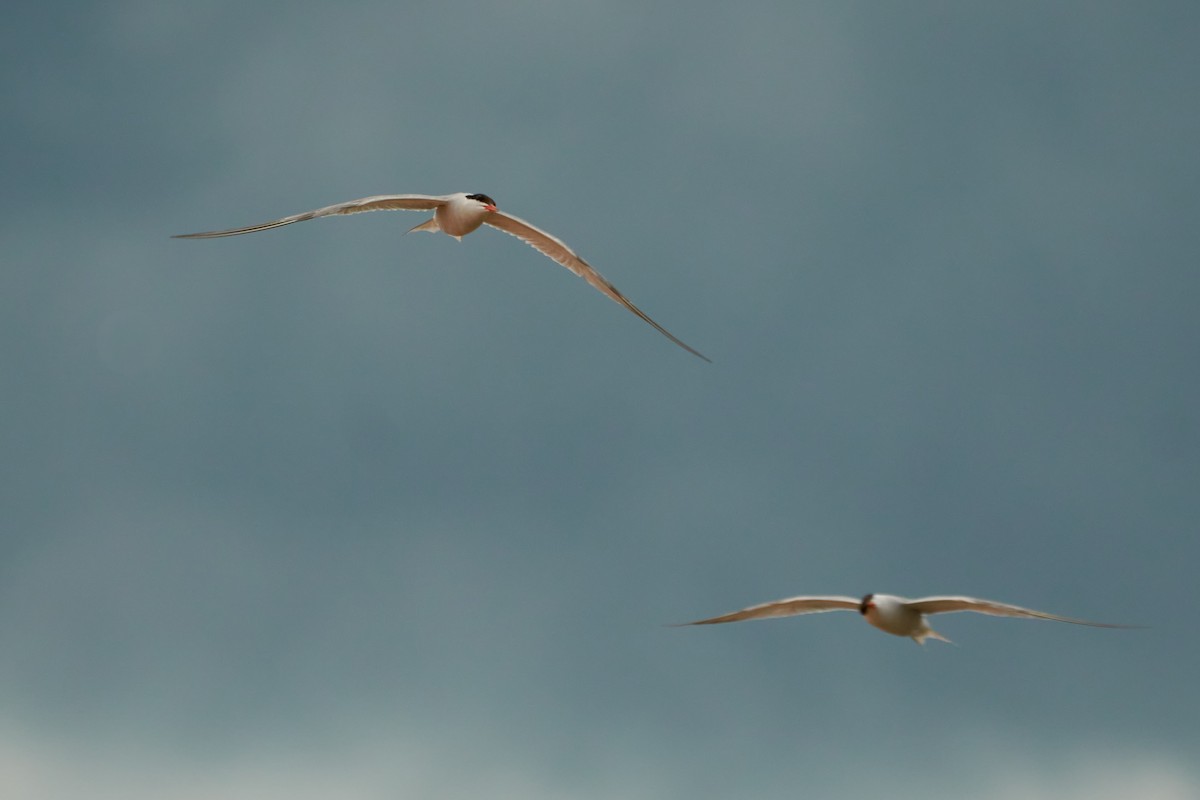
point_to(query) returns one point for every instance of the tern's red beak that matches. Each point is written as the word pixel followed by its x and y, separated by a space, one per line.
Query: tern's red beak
pixel 489 207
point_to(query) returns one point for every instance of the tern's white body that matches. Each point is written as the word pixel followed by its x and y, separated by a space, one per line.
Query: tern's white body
pixel 893 615
pixel 457 215
pixel 898 616
pixel 460 216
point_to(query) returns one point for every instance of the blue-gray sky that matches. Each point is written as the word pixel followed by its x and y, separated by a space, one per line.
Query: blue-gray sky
pixel 330 511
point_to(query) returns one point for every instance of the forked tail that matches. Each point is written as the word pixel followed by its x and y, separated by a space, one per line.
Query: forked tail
pixel 430 225
pixel 930 633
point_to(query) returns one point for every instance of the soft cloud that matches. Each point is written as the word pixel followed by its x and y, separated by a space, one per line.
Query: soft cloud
pixel 33 769
pixel 379 768
pixel 1094 777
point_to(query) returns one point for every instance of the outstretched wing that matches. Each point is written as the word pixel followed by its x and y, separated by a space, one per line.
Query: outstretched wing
pixel 381 202
pixel 945 605
pixel 785 608
pixel 556 249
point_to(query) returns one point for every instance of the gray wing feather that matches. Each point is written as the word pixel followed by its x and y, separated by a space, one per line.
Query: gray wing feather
pixel 946 605
pixel 381 202
pixel 557 250
pixel 785 608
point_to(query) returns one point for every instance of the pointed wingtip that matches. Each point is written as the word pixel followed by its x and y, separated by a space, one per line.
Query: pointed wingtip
pixel 672 338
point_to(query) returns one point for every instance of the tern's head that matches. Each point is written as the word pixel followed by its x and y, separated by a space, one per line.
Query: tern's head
pixel 483 200
pixel 867 603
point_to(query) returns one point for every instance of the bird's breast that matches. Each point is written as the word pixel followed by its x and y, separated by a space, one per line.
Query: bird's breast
pixel 896 620
pixel 459 220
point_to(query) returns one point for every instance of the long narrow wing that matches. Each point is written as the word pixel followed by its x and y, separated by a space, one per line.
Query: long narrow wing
pixel 945 605
pixel 785 608
pixel 381 202
pixel 556 249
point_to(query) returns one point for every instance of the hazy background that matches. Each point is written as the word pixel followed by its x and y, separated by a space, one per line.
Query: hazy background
pixel 329 511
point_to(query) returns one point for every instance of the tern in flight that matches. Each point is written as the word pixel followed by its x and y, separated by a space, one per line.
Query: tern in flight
pixel 457 215
pixel 895 615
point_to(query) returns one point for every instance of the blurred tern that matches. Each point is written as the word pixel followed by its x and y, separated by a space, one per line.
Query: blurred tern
pixel 895 615
pixel 457 215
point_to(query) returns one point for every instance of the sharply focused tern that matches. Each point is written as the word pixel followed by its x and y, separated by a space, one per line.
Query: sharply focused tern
pixel 895 615
pixel 457 215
